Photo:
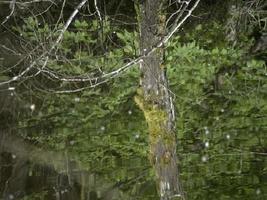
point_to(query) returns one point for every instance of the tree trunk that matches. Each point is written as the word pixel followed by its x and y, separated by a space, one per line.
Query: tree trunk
pixel 155 100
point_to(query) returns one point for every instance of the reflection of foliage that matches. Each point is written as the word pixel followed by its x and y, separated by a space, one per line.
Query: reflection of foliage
pixel 36 196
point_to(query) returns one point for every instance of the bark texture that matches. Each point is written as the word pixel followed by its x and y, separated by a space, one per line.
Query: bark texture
pixel 155 100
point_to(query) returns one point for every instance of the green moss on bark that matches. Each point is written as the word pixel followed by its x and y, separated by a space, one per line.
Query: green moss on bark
pixel 156 119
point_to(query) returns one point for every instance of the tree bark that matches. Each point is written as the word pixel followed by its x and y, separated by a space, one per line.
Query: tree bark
pixel 155 101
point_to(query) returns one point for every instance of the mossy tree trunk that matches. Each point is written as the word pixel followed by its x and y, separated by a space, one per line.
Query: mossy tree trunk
pixel 155 100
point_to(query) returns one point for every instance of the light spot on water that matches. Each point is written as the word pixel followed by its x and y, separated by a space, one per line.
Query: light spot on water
pixel 14 156
pixel 168 186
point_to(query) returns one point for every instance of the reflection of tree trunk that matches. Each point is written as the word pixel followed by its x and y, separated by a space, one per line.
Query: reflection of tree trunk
pixel 91 187
pixel 155 100
pixel 84 185
pixel 16 184
pixel 5 167
pixel 69 181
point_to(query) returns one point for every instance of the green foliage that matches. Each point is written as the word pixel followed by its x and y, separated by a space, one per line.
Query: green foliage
pixel 82 47
pixel 130 40
pixel 207 35
pixel 221 125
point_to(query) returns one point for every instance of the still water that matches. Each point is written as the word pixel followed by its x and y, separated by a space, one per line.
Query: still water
pixel 29 172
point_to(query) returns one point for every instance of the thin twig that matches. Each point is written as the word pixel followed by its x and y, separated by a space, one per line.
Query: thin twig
pixel 12 7
pixel 20 75
pixel 97 10
pixel 95 81
pixel 28 2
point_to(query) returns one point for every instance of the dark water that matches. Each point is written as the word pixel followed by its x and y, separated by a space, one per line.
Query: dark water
pixel 29 172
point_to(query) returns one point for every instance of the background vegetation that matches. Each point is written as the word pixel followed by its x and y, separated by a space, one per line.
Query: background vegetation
pixel 217 72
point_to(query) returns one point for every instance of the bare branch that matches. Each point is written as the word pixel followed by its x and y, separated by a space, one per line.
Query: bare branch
pixel 178 24
pixel 95 81
pixel 28 2
pixel 97 10
pixel 74 13
pixel 103 78
pixel 12 7
pixel 20 75
pixel 180 12
pixel 10 50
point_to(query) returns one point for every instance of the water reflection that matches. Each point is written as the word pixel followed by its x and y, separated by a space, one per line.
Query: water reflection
pixel 28 172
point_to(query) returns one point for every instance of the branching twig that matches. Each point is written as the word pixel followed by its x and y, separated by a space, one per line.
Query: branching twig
pixel 178 24
pixel 9 49
pixel 180 11
pixel 12 7
pixel 97 10
pixel 74 13
pixel 59 38
pixel 28 2
pixel 95 81
pixel 116 72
